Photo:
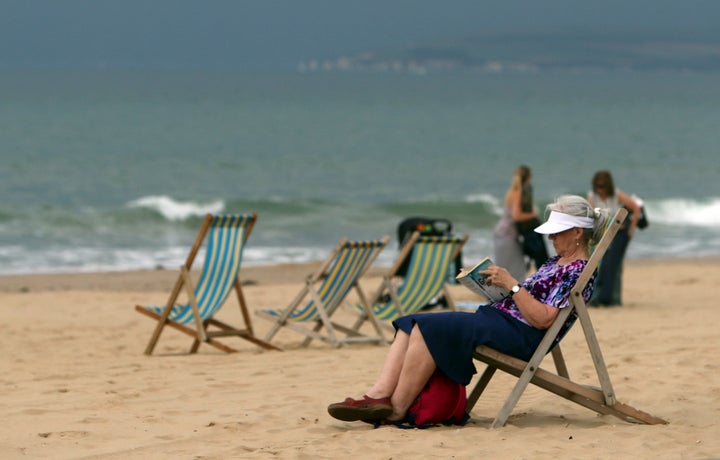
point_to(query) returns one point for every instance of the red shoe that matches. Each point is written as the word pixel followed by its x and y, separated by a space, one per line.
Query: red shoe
pixel 366 409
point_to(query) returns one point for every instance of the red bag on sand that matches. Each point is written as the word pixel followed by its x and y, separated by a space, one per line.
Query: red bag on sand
pixel 441 401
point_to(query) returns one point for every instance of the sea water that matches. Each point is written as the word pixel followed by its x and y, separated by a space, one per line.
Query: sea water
pixel 115 171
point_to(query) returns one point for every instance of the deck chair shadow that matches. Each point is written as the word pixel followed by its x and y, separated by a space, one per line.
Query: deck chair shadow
pixel 226 238
pixel 602 399
pixel 429 260
pixel 324 291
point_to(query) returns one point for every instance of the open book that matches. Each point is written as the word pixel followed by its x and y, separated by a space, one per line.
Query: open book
pixel 476 281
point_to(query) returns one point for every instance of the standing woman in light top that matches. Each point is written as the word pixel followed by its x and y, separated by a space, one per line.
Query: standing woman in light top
pixel 604 194
pixel 514 325
pixel 508 251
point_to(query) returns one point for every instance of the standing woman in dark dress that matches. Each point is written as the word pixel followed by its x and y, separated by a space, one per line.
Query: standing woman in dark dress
pixel 609 280
pixel 514 325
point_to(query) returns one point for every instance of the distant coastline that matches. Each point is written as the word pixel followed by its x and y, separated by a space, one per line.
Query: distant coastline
pixel 570 51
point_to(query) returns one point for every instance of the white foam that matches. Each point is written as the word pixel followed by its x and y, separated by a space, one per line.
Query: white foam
pixel 176 210
pixel 486 198
pixel 682 212
pixel 482 198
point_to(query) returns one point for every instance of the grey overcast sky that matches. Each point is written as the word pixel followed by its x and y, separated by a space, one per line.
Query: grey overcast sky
pixel 277 34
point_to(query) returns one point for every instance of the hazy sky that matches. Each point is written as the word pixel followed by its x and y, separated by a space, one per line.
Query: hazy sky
pixel 277 34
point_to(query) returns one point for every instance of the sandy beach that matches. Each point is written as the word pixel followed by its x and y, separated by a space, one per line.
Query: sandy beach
pixel 75 383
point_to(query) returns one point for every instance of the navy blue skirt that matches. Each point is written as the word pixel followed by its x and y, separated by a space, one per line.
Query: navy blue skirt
pixel 451 337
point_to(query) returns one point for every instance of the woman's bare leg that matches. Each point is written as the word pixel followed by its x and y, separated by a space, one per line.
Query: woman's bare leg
pixel 416 369
pixel 387 381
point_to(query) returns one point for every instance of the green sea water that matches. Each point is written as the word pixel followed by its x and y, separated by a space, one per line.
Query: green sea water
pixel 113 172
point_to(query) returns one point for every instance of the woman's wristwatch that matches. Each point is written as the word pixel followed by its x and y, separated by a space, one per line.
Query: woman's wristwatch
pixel 515 289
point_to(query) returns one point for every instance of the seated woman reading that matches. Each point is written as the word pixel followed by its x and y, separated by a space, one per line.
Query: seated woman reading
pixel 514 325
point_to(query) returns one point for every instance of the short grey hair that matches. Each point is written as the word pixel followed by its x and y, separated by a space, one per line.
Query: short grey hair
pixel 578 206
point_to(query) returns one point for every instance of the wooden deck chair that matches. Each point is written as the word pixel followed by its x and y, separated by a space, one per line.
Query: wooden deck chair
pixel 426 278
pixel 324 291
pixel 601 400
pixel 226 237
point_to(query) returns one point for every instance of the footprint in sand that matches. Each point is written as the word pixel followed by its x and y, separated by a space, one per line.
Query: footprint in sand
pixel 64 434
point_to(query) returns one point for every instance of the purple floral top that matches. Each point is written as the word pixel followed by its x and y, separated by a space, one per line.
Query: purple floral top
pixel 551 285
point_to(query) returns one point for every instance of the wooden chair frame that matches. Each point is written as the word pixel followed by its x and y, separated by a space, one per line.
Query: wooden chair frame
pixel 601 400
pixel 323 311
pixel 201 333
pixel 389 284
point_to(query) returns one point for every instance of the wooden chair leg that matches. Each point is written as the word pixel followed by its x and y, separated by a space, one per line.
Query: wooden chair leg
pixel 559 361
pixel 185 330
pixel 480 387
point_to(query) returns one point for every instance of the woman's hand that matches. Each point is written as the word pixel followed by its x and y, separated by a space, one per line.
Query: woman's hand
pixel 538 314
pixel 498 276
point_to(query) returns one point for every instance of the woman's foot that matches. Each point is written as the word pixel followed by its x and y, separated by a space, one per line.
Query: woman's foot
pixel 395 417
pixel 367 409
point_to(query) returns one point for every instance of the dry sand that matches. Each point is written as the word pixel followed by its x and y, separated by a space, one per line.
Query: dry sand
pixel 75 383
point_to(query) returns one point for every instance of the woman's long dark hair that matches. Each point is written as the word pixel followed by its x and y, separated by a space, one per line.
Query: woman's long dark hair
pixel 603 179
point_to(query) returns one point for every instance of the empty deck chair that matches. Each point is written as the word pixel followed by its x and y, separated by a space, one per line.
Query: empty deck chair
pixel 325 290
pixel 226 238
pixel 430 260
pixel 600 400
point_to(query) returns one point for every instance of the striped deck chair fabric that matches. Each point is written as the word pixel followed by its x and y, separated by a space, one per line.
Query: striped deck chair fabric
pixel 324 291
pixel 431 258
pixel 226 237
